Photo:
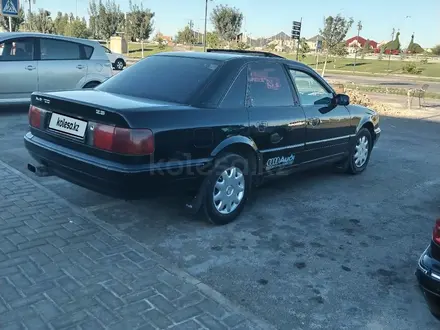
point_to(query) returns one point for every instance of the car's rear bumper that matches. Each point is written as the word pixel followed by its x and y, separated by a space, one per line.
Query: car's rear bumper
pixel 110 178
pixel 428 276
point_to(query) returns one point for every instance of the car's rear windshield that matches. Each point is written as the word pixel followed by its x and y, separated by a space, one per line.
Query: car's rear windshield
pixel 162 77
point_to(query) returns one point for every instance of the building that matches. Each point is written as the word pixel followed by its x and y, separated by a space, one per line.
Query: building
pixel 315 43
pixel 356 42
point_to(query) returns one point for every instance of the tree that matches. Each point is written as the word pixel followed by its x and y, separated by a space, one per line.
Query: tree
pixel 60 23
pixel 16 21
pixel 139 23
pixel 366 48
pixel 242 45
pixel 213 40
pixel 186 36
pixel 436 50
pixel 94 19
pixel 160 40
pixel 109 17
pixel 78 28
pixel 304 48
pixel 334 32
pixel 227 22
pixel 41 21
pixel 414 48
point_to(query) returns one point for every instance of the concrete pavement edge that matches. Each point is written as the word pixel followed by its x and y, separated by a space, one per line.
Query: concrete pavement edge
pixel 162 262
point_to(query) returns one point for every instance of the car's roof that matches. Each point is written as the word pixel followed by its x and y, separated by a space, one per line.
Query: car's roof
pixel 4 35
pixel 225 56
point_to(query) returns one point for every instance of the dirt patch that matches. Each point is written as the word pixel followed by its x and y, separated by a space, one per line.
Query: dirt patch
pixel 386 106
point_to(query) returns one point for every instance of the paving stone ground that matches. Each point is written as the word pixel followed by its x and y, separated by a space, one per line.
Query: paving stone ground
pixel 60 269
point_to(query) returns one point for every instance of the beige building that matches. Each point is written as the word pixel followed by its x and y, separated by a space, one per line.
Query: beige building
pixel 315 42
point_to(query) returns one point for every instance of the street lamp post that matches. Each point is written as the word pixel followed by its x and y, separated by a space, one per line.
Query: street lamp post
pixel 206 21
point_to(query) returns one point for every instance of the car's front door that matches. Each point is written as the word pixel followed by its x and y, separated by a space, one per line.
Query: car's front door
pixel 18 70
pixel 62 64
pixel 329 126
pixel 277 121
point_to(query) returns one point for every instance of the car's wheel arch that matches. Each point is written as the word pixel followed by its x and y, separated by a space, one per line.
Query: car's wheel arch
pixel 93 83
pixel 368 124
pixel 242 146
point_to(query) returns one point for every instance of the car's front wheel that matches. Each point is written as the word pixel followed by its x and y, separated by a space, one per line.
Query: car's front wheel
pixel 119 64
pixel 360 152
pixel 228 188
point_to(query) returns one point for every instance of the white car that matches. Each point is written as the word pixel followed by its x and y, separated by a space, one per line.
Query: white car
pixel 118 61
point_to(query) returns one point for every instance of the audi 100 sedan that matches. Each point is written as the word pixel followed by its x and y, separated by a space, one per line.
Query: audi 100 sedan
pixel 428 272
pixel 222 120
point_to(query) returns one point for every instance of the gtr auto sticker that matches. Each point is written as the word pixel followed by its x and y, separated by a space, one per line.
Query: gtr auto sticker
pixel 279 161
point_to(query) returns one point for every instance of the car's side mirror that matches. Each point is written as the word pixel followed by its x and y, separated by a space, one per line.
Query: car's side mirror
pixel 342 99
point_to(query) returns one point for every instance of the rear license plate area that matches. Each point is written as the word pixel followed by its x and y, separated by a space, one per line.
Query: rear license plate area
pixel 67 125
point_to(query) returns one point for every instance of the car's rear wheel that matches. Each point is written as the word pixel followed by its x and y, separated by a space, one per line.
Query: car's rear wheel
pixel 119 64
pixel 360 152
pixel 228 188
pixel 91 84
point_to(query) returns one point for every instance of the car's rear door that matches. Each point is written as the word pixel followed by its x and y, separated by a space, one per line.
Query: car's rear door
pixel 62 64
pixel 18 70
pixel 277 121
pixel 329 127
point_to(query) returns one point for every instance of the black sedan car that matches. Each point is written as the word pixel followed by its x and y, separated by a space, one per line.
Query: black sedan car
pixel 223 120
pixel 428 272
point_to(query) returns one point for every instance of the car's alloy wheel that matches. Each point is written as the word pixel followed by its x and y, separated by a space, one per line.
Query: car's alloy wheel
pixel 360 152
pixel 227 190
pixel 119 64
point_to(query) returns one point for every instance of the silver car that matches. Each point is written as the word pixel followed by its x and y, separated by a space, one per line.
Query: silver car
pixel 43 62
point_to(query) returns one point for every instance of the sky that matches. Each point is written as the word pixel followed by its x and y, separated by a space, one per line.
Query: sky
pixel 267 18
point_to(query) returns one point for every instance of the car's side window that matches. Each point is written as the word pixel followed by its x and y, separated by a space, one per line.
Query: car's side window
pixel 268 85
pixel 310 90
pixel 88 52
pixel 21 49
pixel 52 49
pixel 235 98
pixel 106 50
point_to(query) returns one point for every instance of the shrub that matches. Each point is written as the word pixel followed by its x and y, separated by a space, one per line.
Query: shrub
pixel 411 68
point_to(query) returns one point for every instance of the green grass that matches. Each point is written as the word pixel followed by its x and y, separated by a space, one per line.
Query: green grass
pixel 365 66
pixel 135 50
pixel 430 71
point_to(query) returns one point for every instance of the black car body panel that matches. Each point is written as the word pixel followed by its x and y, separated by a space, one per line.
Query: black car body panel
pixel 227 113
pixel 428 276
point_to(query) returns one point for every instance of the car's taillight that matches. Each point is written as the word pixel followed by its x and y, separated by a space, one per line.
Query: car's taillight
pixel 436 232
pixel 35 115
pixel 123 140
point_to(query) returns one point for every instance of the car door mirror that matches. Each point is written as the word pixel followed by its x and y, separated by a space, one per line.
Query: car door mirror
pixel 342 99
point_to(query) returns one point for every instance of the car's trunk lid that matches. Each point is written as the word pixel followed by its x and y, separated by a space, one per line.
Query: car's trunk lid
pixel 70 117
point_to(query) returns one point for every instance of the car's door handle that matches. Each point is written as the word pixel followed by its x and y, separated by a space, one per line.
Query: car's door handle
pixel 262 126
pixel 314 122
pixel 30 67
pixel 80 66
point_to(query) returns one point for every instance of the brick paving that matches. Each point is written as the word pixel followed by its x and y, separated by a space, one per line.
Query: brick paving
pixel 60 269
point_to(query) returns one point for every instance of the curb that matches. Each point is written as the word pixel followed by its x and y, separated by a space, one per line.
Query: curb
pixel 259 324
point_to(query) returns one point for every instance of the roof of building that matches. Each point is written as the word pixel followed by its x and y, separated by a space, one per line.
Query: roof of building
pixel 361 41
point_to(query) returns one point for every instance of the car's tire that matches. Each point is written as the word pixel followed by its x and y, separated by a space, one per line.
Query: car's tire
pixel 233 170
pixel 91 85
pixel 360 152
pixel 119 64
